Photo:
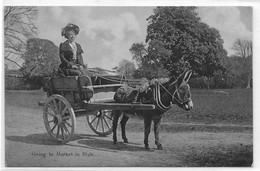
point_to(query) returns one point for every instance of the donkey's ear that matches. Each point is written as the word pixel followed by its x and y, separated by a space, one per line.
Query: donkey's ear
pixel 187 76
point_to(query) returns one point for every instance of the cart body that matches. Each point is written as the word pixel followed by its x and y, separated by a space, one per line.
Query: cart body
pixel 74 96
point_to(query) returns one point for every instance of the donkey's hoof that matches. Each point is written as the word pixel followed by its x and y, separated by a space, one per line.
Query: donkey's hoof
pixel 114 142
pixel 125 140
pixel 147 147
pixel 159 147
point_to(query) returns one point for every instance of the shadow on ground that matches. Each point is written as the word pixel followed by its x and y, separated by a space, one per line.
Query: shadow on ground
pixel 79 140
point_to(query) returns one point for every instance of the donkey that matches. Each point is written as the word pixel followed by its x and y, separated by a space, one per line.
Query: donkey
pixel 162 95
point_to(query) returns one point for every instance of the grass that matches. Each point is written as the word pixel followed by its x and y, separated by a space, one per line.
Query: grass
pixel 220 156
pixel 213 110
pixel 27 99
pixel 210 107
pixel 214 106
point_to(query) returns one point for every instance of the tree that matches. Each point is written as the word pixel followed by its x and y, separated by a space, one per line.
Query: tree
pixel 151 71
pixel 244 49
pixel 41 57
pixel 126 68
pixel 138 51
pixel 18 27
pixel 147 66
pixel 151 65
pixel 235 75
pixel 178 39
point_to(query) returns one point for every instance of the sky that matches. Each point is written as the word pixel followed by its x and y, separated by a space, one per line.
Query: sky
pixel 107 33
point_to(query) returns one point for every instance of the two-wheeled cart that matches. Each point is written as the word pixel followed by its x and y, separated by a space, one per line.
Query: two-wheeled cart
pixel 75 96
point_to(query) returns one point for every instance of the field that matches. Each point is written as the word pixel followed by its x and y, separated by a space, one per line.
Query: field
pixel 212 109
pixel 218 131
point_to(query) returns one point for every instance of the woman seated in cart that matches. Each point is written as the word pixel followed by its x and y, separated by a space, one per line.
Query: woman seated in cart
pixel 71 53
pixel 72 61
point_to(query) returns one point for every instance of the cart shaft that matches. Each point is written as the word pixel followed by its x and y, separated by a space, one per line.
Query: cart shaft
pixel 117 106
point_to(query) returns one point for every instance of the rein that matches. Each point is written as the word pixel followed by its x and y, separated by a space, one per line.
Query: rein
pixel 157 97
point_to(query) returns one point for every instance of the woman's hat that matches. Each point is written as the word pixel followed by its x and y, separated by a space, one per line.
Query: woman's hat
pixel 69 27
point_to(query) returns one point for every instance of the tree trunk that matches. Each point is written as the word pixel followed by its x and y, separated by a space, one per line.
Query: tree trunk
pixel 207 80
pixel 248 82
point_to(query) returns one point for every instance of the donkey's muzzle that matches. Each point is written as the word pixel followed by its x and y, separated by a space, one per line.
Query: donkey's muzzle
pixel 188 105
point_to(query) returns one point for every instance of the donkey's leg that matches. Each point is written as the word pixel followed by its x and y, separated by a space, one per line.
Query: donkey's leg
pixel 116 114
pixel 147 128
pixel 157 123
pixel 123 124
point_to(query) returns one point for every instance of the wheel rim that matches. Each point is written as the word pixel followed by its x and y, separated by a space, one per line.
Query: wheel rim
pixel 101 123
pixel 59 118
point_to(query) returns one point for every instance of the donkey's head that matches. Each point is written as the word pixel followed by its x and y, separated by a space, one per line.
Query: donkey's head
pixel 182 95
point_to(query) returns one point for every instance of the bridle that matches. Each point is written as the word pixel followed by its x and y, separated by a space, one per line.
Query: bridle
pixel 157 97
pixel 176 92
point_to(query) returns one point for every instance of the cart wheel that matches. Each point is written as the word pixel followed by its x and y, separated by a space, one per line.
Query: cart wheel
pixel 101 123
pixel 59 118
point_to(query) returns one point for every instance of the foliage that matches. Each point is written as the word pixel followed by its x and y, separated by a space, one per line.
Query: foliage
pixel 138 51
pixel 237 72
pixel 41 57
pixel 235 76
pixel 178 39
pixel 148 65
pixel 126 68
pixel 18 27
pixel 244 49
pixel 151 71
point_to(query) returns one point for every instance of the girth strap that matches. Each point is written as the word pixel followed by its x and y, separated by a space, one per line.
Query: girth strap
pixel 157 98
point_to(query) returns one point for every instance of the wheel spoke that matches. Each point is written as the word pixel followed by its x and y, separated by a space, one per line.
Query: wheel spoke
pixel 66 117
pixel 66 129
pixel 53 115
pixel 102 125
pixel 55 105
pixel 62 132
pixel 93 120
pixel 50 121
pixel 58 132
pixel 53 128
pixel 63 111
pixel 51 106
pixel 107 123
pixel 97 123
pixel 108 117
pixel 67 123
pixel 59 107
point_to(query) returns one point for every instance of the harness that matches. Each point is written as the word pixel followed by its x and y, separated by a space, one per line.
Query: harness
pixel 157 97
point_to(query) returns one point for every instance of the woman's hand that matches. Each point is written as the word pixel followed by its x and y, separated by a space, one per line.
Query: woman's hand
pixel 74 67
pixel 77 67
pixel 80 67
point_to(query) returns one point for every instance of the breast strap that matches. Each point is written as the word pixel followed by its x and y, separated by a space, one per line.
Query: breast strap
pixel 157 98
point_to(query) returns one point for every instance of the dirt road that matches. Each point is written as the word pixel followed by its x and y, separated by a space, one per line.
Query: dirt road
pixel 28 144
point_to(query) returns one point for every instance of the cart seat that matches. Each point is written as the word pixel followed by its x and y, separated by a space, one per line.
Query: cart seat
pixel 85 87
pixel 78 84
pixel 69 83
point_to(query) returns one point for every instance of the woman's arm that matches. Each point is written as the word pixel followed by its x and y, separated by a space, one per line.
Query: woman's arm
pixel 80 61
pixel 80 58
